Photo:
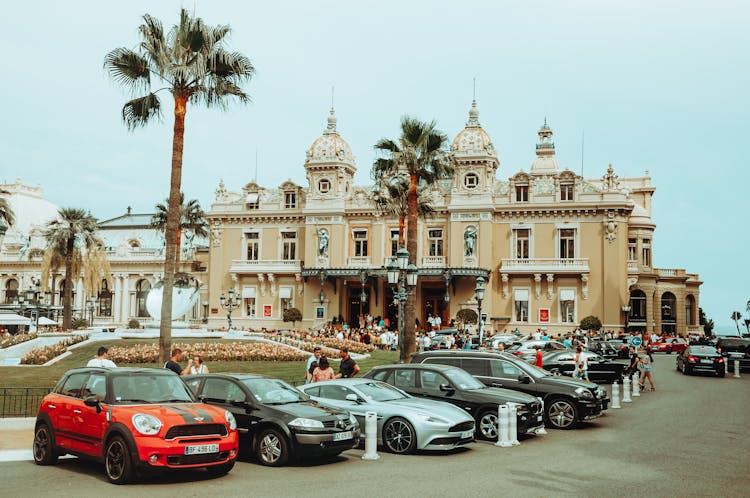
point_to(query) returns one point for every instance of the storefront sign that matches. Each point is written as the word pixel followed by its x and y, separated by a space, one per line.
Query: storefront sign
pixel 543 315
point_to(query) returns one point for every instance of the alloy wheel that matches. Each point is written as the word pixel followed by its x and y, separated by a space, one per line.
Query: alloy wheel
pixel 115 460
pixel 488 425
pixel 270 448
pixel 398 436
pixel 42 445
pixel 562 414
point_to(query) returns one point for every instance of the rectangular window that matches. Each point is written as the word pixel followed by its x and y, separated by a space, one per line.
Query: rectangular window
pixel 290 200
pixel 566 191
pixel 289 246
pixel 249 295
pixel 394 242
pixel 567 243
pixel 251 201
pixel 286 298
pixel 521 305
pixel 435 238
pixel 253 246
pixel 647 252
pixel 360 242
pixel 567 305
pixel 522 193
pixel 632 250
pixel 521 242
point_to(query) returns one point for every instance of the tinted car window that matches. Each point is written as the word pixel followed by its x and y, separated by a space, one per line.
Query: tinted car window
pixel 312 391
pixel 335 392
pixel 193 384
pixel 273 391
pixel 505 369
pixel 476 366
pixel 431 382
pixel 381 375
pixel 454 362
pixel 703 350
pixel 73 385
pixel 405 378
pixel 96 385
pixel 223 390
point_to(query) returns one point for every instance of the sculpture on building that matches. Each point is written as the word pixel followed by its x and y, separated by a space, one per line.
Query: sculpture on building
pixel 323 239
pixel 470 241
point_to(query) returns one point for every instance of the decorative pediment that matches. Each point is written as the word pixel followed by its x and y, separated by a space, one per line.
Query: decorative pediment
pixel 521 177
pixel 567 175
pixel 252 187
pixel 289 185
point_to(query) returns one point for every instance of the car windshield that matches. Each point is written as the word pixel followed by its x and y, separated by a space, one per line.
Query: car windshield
pixel 378 391
pixel 274 391
pixel 532 370
pixel 462 379
pixel 149 388
pixel 703 350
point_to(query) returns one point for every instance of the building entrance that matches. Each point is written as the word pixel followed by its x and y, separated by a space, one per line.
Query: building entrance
pixel 433 303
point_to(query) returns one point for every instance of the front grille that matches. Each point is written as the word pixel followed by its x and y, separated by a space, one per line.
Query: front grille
pixel 197 459
pixel 196 430
pixel 450 440
pixel 463 426
pixel 336 424
pixel 536 407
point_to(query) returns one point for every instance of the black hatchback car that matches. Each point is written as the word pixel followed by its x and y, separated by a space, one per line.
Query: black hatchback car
pixel 701 359
pixel 275 421
pixel 567 401
pixel 600 369
pixel 455 386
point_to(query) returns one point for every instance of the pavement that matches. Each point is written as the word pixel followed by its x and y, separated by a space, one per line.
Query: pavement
pixel 688 438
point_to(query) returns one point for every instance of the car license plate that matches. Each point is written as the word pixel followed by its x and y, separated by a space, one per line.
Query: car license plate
pixel 539 418
pixel 201 449
pixel 343 436
pixel 466 434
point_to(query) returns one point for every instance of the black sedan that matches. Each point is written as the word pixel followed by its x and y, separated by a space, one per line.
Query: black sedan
pixel 601 370
pixel 605 349
pixel 622 348
pixel 456 386
pixel 701 359
pixel 276 421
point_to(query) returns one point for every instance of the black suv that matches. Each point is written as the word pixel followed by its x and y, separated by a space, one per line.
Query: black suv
pixel 566 401
pixel 734 347
pixel 276 421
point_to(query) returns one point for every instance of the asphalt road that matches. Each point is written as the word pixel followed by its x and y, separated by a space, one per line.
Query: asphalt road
pixel 688 438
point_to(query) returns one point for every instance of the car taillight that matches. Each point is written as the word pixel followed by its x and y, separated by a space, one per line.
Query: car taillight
pixel 692 358
pixel 720 360
pixel 517 353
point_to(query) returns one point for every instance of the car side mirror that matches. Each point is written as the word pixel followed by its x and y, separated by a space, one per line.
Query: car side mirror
pixel 446 388
pixel 93 401
pixel 239 403
pixel 524 379
pixel 354 398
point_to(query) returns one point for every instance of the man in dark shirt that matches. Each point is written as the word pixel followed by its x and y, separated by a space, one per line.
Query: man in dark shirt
pixel 173 363
pixel 349 367
pixel 634 360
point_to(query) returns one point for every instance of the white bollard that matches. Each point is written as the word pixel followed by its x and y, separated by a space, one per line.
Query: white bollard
pixel 736 368
pixel 541 431
pixel 626 390
pixel 615 395
pixel 513 424
pixel 502 427
pixel 371 436
pixel 636 385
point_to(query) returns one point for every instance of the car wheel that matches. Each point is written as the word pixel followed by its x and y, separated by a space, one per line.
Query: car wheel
pixel 561 413
pixel 117 461
pixel 487 425
pixel 44 447
pixel 272 448
pixel 721 373
pixel 399 436
pixel 220 470
pixel 555 371
pixel 687 370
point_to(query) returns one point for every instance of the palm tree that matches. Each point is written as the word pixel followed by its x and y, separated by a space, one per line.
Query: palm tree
pixel 68 237
pixel 420 155
pixel 192 219
pixel 194 65
pixel 389 196
pixel 736 315
pixel 7 218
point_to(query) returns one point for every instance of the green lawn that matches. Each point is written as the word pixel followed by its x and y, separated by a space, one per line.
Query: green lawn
pixel 293 371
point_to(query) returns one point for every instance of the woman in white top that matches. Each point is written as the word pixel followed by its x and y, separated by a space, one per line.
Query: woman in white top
pixel 197 366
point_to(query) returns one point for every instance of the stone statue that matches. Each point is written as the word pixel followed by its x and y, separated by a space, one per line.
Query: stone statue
pixel 323 238
pixel 470 241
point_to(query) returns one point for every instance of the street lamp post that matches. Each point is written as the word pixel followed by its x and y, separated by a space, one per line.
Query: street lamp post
pixel 626 310
pixel 479 290
pixel 90 306
pixel 205 311
pixel 230 303
pixel 402 276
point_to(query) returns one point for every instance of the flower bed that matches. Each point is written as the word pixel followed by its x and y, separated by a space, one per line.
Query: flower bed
pixel 209 351
pixel 40 356
pixel 304 345
pixel 316 340
pixel 17 339
pixel 352 346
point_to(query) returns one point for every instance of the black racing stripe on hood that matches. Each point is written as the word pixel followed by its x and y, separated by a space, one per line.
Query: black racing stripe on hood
pixel 187 416
pixel 207 417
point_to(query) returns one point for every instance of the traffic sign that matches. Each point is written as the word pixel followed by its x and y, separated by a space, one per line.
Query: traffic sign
pixel 636 341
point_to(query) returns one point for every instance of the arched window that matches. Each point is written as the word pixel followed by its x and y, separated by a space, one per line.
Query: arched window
pixel 62 292
pixel 637 306
pixel 668 313
pixel 11 290
pixel 690 310
pixel 142 289
pixel 105 299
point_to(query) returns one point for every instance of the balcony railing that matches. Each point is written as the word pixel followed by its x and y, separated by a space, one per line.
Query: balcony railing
pixel 545 265
pixel 671 272
pixel 264 265
pixel 359 262
pixel 633 267
pixel 433 261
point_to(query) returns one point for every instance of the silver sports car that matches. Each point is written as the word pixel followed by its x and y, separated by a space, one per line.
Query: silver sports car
pixel 405 423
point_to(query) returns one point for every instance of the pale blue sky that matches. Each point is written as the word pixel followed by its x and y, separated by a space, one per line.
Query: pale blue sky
pixel 658 85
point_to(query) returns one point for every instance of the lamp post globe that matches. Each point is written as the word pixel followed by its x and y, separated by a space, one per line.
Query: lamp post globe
pixel 402 255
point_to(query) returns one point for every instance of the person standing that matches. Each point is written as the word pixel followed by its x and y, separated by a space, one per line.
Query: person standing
pixel 323 371
pixel 314 358
pixel 349 367
pixel 538 357
pixel 634 361
pixel 174 362
pixel 437 322
pixel 197 366
pixel 583 365
pixel 101 359
pixel 646 374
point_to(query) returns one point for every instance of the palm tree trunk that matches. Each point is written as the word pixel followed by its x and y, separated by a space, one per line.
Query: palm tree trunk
pixel 172 228
pixel 411 246
pixel 401 226
pixel 68 296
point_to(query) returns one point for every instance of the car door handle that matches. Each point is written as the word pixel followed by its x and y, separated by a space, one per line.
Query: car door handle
pixel 52 407
pixel 76 411
pixel 497 384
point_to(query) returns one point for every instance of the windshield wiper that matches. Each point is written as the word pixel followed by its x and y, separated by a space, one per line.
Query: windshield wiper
pixel 181 400
pixel 135 401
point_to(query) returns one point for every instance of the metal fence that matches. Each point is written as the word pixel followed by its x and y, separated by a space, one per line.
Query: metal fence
pixel 21 401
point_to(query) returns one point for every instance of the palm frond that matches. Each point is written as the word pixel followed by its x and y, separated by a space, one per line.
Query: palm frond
pixel 128 68
pixel 387 145
pixel 140 111
pixel 6 212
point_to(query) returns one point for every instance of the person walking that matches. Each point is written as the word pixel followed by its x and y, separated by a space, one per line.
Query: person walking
pixel 323 372
pixel 101 359
pixel 314 358
pixel 174 362
pixel 646 361
pixel 197 366
pixel 583 364
pixel 349 367
pixel 538 357
pixel 634 361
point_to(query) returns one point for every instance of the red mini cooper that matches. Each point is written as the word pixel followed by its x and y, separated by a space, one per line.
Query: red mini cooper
pixel 131 419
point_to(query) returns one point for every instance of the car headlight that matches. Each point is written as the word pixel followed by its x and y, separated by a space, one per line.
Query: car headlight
pixel 353 420
pixel 601 393
pixel 306 423
pixel 148 425
pixel 582 392
pixel 230 419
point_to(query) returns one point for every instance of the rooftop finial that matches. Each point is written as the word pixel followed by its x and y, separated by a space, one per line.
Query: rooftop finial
pixel 331 128
pixel 474 111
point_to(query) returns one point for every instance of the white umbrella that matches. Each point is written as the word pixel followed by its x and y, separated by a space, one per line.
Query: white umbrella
pixel 13 319
pixel 43 320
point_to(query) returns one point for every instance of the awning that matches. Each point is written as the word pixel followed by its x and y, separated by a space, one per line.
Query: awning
pixel 567 295
pixel 13 319
pixel 249 292
pixel 521 294
pixel 43 320
pixel 251 198
pixel 285 292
